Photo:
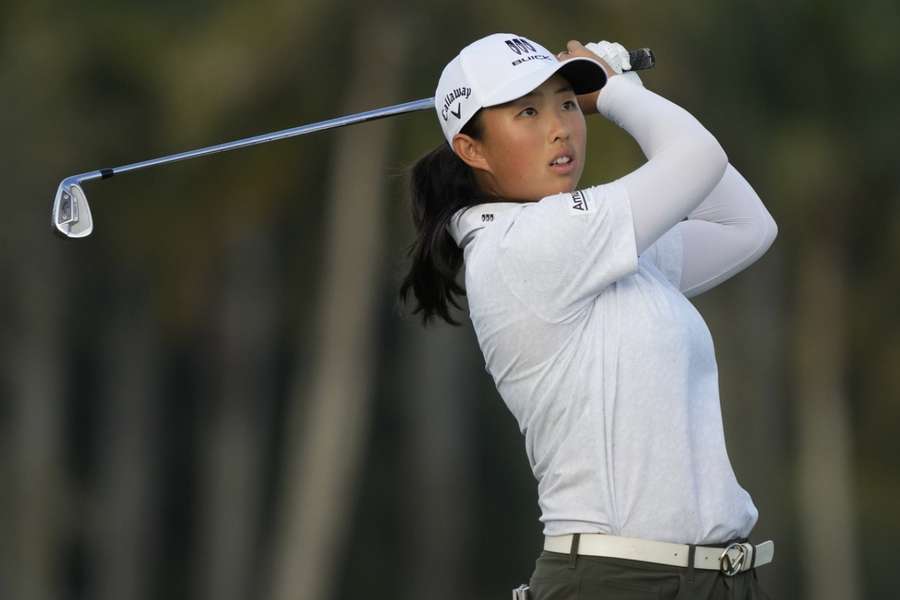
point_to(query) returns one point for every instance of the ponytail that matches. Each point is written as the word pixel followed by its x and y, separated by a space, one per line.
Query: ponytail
pixel 440 183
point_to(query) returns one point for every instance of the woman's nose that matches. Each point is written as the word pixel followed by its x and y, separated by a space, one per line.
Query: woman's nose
pixel 559 126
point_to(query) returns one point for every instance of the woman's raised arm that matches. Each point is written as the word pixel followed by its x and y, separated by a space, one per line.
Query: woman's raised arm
pixel 685 161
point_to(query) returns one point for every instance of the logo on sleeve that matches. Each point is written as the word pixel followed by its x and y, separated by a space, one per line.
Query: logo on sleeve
pixel 579 201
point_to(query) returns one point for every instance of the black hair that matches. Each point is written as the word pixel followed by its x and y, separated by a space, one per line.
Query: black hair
pixel 440 183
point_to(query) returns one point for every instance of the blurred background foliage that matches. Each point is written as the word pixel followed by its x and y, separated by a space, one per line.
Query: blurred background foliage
pixel 216 395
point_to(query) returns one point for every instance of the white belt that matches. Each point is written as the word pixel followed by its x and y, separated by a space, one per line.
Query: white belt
pixel 733 559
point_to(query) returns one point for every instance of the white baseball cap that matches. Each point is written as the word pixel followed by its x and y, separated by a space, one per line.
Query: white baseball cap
pixel 499 68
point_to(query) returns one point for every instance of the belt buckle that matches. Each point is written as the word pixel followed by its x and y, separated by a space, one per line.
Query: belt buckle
pixel 727 564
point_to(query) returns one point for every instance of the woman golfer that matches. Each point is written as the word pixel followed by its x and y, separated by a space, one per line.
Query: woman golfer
pixel 578 298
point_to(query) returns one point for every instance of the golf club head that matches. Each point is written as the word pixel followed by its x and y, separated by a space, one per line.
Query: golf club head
pixel 71 214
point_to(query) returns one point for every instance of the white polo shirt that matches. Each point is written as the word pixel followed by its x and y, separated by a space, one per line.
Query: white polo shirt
pixel 608 368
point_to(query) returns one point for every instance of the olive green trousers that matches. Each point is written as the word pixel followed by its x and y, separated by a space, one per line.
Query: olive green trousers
pixel 560 576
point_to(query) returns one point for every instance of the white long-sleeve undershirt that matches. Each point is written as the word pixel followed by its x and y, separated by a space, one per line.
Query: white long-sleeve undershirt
pixel 687 174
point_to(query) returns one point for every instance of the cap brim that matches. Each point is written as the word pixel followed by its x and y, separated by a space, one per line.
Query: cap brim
pixel 585 75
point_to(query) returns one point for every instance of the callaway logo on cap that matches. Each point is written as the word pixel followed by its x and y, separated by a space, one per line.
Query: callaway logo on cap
pixel 499 68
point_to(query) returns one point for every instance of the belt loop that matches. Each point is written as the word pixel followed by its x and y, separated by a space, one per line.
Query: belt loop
pixel 690 574
pixel 573 553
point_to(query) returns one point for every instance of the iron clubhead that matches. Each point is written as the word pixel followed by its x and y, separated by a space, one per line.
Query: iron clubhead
pixel 71 214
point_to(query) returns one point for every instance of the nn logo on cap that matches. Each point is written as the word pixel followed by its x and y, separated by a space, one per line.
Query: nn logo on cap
pixel 520 46
pixel 524 48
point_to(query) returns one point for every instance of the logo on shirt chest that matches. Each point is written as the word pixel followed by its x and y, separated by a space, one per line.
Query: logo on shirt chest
pixel 579 201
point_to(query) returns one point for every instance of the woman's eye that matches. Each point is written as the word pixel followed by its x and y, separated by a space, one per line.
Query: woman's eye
pixel 527 109
pixel 570 103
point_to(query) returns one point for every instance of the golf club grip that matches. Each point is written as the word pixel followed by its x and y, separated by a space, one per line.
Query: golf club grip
pixel 641 58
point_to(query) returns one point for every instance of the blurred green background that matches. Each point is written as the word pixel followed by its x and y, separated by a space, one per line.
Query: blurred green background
pixel 216 394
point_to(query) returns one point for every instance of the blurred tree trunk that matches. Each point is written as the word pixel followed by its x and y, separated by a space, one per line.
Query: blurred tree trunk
pixel 439 386
pixel 748 321
pixel 828 549
pixel 125 520
pixel 760 427
pixel 324 445
pixel 232 460
pixel 37 376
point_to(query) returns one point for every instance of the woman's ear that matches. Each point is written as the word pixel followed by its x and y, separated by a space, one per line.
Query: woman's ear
pixel 471 152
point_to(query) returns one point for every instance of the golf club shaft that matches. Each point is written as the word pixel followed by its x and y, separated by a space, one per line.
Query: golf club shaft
pixel 641 58
pixel 369 115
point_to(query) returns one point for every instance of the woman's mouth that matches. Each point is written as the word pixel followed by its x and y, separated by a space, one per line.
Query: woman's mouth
pixel 563 164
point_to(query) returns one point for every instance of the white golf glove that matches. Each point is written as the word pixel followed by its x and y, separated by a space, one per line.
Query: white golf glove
pixel 617 57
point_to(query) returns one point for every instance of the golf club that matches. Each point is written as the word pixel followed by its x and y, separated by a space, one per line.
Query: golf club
pixel 71 215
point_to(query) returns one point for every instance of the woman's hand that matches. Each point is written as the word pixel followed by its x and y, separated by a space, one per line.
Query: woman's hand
pixel 617 57
pixel 587 102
